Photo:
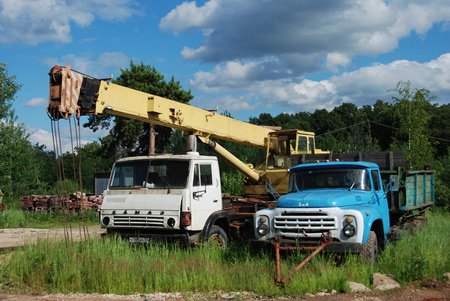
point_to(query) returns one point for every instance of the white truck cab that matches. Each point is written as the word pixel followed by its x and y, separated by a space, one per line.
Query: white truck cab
pixel 165 196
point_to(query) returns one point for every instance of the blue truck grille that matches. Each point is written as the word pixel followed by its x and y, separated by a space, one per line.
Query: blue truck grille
pixel 304 223
pixel 139 221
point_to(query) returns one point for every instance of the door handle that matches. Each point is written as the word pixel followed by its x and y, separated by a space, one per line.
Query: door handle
pixel 215 201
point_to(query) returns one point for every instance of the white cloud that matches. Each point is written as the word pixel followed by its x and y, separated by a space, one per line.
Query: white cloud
pixel 328 33
pixel 336 59
pixel 100 66
pixel 188 15
pixel 41 136
pixel 36 21
pixel 232 75
pixel 113 59
pixel 44 137
pixel 36 102
pixel 368 84
pixel 363 86
pixel 233 104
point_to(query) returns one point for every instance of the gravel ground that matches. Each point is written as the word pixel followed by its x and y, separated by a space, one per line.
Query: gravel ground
pixel 415 292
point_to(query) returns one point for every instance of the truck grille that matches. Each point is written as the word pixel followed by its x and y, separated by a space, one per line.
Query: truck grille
pixel 304 223
pixel 139 221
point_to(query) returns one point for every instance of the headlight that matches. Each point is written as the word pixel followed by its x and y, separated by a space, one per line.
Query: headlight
pixel 263 225
pixel 263 229
pixel 262 220
pixel 349 230
pixel 106 220
pixel 171 222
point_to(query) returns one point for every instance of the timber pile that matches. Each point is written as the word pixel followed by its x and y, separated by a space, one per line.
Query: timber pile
pixel 73 202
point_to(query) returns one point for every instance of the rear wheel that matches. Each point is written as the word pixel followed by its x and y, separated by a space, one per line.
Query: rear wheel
pixel 369 253
pixel 217 236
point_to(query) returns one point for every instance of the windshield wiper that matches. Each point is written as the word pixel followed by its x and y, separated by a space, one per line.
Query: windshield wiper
pixel 351 187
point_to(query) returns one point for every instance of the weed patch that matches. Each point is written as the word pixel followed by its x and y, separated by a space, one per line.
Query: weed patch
pixel 17 218
pixel 420 254
pixel 111 265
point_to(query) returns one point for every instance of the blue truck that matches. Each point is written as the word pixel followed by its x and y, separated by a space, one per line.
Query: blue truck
pixel 351 204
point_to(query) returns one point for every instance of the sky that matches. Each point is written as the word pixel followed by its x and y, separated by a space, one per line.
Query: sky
pixel 242 56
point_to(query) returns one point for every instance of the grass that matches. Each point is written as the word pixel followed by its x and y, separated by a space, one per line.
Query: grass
pixel 16 218
pixel 113 266
pixel 421 254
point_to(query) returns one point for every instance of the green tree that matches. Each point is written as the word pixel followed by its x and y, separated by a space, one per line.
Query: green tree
pixel 8 89
pixel 412 117
pixel 19 171
pixel 442 183
pixel 382 123
pixel 130 137
pixel 92 161
pixel 325 124
pixel 440 128
pixel 47 166
pixel 263 119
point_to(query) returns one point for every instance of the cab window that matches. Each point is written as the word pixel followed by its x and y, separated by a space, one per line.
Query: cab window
pixel 376 180
pixel 202 175
pixel 301 147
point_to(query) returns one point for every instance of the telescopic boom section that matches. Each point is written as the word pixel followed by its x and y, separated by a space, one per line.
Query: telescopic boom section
pixel 74 93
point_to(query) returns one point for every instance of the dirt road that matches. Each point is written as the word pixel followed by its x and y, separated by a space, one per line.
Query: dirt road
pixel 17 237
pixel 414 292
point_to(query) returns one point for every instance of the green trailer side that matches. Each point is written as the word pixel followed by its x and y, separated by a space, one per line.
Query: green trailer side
pixel 409 190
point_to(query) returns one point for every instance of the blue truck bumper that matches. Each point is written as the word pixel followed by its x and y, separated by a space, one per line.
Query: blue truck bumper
pixel 333 247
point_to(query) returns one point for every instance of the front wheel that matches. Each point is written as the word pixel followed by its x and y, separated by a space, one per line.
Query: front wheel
pixel 369 253
pixel 217 236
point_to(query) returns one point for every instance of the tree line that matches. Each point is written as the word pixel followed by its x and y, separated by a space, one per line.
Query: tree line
pixel 409 122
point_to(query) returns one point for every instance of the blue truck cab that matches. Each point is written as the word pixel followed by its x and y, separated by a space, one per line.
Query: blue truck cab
pixel 343 201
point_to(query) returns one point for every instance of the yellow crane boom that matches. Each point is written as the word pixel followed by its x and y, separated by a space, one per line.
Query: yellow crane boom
pixel 72 92
pixel 102 97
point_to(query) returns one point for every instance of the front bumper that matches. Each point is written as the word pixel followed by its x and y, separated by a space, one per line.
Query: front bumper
pixel 333 247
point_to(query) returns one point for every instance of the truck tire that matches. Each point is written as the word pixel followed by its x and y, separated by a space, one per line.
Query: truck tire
pixel 218 236
pixel 369 253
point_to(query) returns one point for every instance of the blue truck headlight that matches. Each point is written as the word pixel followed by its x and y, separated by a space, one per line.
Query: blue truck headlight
pixel 349 230
pixel 262 220
pixel 263 225
pixel 263 229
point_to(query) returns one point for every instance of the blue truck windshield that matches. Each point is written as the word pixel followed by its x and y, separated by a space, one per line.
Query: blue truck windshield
pixel 150 174
pixel 357 179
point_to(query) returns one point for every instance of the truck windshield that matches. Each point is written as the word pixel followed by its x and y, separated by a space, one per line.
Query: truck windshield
pixel 150 174
pixel 352 179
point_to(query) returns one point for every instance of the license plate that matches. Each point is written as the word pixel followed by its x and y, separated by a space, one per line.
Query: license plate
pixel 139 240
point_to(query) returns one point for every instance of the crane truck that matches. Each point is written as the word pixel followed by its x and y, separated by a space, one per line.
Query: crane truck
pixel 178 196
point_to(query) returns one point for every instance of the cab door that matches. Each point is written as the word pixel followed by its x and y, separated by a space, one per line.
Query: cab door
pixel 206 193
pixel 380 198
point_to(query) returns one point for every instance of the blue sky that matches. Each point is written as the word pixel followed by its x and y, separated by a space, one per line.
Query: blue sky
pixel 242 56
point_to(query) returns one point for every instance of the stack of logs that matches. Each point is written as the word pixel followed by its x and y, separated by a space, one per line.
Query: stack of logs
pixel 75 201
